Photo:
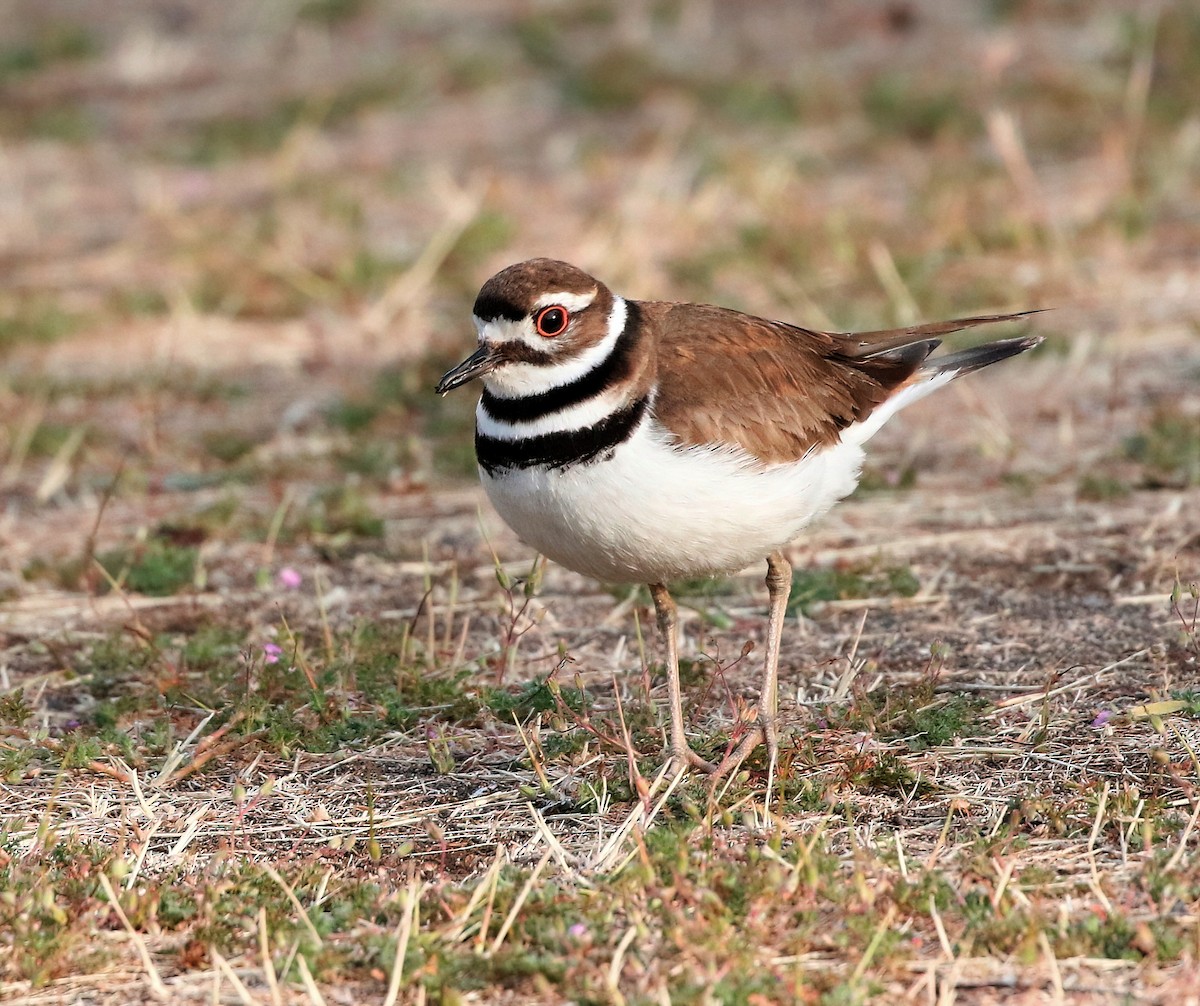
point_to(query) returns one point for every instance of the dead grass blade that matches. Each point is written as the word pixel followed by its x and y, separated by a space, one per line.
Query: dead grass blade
pixel 268 965
pixel 403 935
pixel 291 896
pixel 520 901
pixel 310 986
pixel 157 988
pixel 225 971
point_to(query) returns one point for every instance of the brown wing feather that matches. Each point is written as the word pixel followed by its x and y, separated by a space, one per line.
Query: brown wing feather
pixel 777 390
pixel 867 343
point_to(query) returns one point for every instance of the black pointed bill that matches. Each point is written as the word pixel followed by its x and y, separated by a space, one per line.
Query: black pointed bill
pixel 483 361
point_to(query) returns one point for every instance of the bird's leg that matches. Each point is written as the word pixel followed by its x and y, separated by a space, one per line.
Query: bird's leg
pixel 779 588
pixel 682 756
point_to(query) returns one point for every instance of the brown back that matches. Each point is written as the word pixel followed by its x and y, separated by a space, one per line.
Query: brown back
pixel 777 390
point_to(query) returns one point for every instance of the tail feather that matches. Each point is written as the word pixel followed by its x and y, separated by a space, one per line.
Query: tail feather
pixel 896 357
pixel 865 345
pixel 967 360
pixel 936 373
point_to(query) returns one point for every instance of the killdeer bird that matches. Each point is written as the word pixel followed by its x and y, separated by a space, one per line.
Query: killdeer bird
pixel 645 441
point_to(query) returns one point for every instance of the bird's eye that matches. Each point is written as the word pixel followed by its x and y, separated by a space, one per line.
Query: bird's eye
pixel 552 321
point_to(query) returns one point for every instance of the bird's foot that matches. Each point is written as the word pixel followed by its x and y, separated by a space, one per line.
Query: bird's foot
pixel 762 731
pixel 684 759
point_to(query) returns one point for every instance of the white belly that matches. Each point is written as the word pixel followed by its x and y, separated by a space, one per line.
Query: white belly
pixel 653 512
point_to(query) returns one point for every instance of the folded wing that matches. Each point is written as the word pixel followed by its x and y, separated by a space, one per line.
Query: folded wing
pixel 777 391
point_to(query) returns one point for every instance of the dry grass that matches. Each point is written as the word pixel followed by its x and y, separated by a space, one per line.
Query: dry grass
pixel 276 726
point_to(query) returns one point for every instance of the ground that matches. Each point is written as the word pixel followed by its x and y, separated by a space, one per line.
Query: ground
pixel 287 715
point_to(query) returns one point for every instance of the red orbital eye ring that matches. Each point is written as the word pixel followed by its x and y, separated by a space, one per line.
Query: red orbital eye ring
pixel 552 321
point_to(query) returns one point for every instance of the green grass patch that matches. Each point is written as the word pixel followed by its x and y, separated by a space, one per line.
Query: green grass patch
pixel 366 273
pixel 882 480
pixel 352 415
pixel 898 105
pixel 14 710
pixel 228 445
pixel 156 567
pixel 914 713
pixel 1097 487
pixel 34 320
pixel 753 100
pixel 889 775
pixel 232 137
pixel 58 43
pixel 49 438
pixel 136 302
pixel 537 696
pixel 69 124
pixel 939 722
pixel 290 695
pixel 617 80
pixel 332 12
pixel 340 514
pixel 811 586
pixel 49 906
pixel 1168 449
pixel 447 422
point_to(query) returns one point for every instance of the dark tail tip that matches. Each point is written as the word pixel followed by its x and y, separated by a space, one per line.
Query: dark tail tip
pixel 967 360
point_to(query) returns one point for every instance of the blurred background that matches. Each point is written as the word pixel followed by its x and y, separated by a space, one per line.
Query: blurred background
pixel 239 242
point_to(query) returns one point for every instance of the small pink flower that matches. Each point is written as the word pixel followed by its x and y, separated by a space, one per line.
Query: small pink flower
pixel 578 931
pixel 271 653
pixel 1102 718
pixel 289 578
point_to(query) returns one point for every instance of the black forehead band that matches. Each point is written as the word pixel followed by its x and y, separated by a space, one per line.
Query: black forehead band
pixel 489 307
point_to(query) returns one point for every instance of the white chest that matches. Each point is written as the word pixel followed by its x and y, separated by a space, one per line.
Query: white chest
pixel 652 512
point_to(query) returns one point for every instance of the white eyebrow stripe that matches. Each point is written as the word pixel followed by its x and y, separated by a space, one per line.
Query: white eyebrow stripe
pixel 571 301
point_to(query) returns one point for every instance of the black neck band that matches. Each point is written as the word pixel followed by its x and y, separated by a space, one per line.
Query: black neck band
pixel 560 450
